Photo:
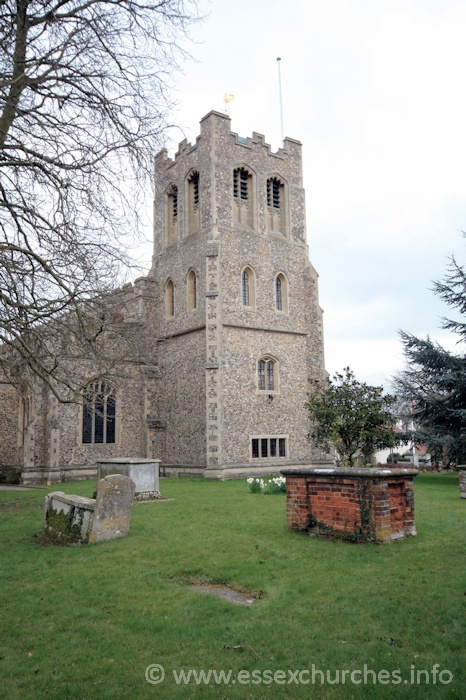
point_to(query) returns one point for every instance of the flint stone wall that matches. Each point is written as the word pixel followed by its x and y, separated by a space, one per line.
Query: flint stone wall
pixel 371 505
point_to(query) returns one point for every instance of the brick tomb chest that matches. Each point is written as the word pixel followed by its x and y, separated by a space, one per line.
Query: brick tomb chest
pixel 360 505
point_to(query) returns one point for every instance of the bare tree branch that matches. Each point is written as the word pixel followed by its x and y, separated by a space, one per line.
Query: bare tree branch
pixel 84 103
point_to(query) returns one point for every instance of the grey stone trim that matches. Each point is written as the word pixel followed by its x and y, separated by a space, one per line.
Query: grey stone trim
pixel 186 332
pixel 264 330
pixel 341 472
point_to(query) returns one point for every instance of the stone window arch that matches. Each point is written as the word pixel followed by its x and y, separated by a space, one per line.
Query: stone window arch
pixel 267 374
pixel 192 290
pixel 169 299
pixel 193 218
pixel 171 215
pixel 244 200
pixel 99 414
pixel 248 288
pixel 277 211
pixel 281 293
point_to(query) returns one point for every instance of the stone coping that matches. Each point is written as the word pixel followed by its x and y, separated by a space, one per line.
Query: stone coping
pixel 343 472
pixel 72 500
pixel 461 466
pixel 124 460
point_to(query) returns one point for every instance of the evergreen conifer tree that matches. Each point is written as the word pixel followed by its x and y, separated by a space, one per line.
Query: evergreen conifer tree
pixel 434 380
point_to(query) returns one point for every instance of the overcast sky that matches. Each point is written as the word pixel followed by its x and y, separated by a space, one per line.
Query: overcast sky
pixel 376 92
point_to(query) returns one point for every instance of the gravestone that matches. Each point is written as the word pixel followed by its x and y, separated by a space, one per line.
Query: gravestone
pixel 115 495
pixel 144 473
pixel 67 518
pixel 71 519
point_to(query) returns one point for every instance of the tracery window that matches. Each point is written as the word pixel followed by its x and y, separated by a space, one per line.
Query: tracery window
pixel 267 374
pixel 99 415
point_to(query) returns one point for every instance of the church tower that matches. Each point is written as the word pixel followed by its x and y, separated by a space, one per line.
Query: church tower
pixel 237 323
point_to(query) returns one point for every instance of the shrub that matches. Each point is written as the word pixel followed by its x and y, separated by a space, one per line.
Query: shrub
pixel 13 476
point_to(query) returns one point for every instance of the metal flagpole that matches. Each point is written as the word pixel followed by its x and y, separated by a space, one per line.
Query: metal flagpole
pixel 280 96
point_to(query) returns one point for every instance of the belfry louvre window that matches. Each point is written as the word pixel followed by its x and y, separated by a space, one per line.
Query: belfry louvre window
pixel 193 218
pixel 273 193
pixel 241 184
pixel 99 415
pixel 276 214
pixel 268 447
pixel 267 369
pixel 172 215
pixel 243 205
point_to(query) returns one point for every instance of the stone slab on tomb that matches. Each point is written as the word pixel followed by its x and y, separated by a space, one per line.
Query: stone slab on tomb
pixel 144 473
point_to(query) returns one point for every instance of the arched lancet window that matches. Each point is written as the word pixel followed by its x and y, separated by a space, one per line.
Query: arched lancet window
pixel 267 374
pixel 193 209
pixel 99 415
pixel 281 293
pixel 243 199
pixel 276 206
pixel 248 288
pixel 171 235
pixel 192 290
pixel 169 299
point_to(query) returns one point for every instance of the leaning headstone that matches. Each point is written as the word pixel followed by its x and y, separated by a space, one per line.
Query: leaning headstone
pixel 115 495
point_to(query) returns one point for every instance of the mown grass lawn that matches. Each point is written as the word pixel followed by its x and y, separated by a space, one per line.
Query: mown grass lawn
pixel 85 622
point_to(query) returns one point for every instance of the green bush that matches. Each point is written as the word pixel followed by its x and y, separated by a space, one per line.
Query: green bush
pixel 13 476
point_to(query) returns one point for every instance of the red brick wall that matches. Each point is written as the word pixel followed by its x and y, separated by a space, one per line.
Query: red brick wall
pixel 372 505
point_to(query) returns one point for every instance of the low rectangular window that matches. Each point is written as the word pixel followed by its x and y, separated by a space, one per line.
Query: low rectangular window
pixel 268 447
pixel 282 447
pixel 264 447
